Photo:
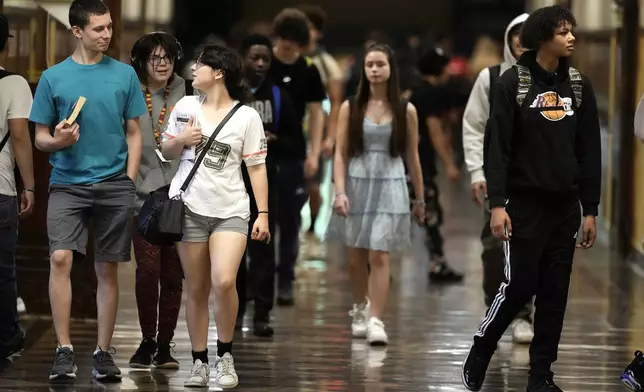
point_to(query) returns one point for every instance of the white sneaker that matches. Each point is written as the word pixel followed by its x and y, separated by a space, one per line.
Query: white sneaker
pixel 360 315
pixel 225 374
pixel 199 375
pixel 376 334
pixel 522 332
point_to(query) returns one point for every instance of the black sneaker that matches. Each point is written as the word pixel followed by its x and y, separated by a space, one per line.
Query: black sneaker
pixel 14 345
pixel 441 272
pixel 261 325
pixel 163 359
pixel 64 365
pixel 142 358
pixel 633 375
pixel 285 294
pixel 104 367
pixel 542 384
pixel 474 369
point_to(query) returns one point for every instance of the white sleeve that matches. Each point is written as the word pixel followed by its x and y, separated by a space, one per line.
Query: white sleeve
pixel 254 149
pixel 21 98
pixel 173 124
pixel 475 118
pixel 639 120
pixel 183 111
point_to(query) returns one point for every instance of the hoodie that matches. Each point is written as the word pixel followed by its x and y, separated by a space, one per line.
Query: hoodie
pixel 553 154
pixel 153 174
pixel 477 110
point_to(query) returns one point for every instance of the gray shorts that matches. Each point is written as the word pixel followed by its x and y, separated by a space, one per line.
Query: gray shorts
pixel 109 204
pixel 198 228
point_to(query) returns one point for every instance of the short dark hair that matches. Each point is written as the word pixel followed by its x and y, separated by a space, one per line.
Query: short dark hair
pixel 252 40
pixel 292 25
pixel 145 46
pixel 315 14
pixel 541 25
pixel 81 10
pixel 229 63
pixel 432 61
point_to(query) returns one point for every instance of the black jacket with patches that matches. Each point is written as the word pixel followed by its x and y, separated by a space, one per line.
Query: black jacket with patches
pixel 554 154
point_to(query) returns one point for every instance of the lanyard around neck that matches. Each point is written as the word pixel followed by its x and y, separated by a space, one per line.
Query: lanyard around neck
pixel 164 109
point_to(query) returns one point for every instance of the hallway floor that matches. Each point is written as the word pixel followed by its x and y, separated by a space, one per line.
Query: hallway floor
pixel 430 329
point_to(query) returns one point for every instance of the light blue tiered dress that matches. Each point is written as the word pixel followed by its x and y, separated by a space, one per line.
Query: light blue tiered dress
pixel 379 215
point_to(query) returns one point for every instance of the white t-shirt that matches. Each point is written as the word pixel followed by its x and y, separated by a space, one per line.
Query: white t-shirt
pixel 217 189
pixel 15 103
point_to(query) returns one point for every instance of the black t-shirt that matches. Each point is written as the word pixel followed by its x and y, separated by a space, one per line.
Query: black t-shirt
pixel 302 82
pixel 278 117
pixel 430 101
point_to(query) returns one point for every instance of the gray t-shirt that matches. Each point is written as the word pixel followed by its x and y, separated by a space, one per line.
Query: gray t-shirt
pixel 15 103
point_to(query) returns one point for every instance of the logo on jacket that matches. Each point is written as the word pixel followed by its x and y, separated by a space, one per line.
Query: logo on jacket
pixel 561 107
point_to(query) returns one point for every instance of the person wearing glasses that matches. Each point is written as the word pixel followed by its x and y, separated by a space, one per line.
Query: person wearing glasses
pixel 159 276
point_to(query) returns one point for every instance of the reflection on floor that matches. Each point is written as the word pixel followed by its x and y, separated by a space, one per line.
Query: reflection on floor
pixel 430 330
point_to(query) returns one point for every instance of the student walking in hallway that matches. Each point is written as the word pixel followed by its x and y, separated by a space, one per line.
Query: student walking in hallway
pixel 475 120
pixel 95 162
pixel 159 277
pixel 543 160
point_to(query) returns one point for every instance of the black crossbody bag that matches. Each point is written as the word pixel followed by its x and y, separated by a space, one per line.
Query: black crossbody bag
pixel 161 218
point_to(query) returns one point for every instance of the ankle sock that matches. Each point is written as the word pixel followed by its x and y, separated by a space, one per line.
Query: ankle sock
pixel 200 355
pixel 223 348
pixel 68 346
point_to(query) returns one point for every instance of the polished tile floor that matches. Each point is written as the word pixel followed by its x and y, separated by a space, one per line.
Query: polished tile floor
pixel 430 330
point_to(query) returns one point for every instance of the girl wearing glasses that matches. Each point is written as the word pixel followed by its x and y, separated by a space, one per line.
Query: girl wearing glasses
pixel 158 270
pixel 217 214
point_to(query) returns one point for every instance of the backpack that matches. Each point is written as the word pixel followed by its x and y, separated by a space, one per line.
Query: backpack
pixel 277 104
pixel 525 82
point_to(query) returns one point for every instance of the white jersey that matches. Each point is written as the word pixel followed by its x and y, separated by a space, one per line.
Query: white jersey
pixel 217 189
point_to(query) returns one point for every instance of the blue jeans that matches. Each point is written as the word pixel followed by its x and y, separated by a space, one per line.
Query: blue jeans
pixel 9 322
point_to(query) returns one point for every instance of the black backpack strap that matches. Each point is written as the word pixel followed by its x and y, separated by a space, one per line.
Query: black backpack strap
pixel 525 82
pixel 576 84
pixel 5 139
pixel 211 140
pixel 495 72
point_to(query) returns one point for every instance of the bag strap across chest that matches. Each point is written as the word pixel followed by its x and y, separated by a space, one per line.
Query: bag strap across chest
pixel 525 82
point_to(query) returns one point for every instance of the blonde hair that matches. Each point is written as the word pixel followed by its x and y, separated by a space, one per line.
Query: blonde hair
pixel 487 53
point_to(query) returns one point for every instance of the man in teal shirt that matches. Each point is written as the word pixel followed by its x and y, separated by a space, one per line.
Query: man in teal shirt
pixel 94 163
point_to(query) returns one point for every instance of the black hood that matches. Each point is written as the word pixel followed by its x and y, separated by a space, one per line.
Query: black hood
pixel 529 59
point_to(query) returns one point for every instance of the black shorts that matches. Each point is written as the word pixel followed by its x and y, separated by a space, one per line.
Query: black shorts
pixel 109 205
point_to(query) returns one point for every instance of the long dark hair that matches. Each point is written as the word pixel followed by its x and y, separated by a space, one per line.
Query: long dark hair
pixel 230 64
pixel 398 141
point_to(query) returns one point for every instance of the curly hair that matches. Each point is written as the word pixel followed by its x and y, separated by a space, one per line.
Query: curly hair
pixel 292 25
pixel 541 25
